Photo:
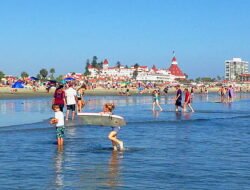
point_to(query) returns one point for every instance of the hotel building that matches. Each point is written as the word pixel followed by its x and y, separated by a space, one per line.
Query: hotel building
pixel 234 68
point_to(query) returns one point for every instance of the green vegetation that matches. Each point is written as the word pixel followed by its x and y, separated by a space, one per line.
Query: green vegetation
pixel 43 74
pixel 1 75
pixel 87 72
pixel 118 65
pixel 24 74
pixel 52 72
pixel 135 73
pixel 94 64
pixel 59 78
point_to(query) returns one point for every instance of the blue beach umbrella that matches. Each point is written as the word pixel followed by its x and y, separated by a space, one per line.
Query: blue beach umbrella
pixel 33 78
pixel 68 79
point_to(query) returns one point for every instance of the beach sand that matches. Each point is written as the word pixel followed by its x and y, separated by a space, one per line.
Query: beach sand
pixel 6 92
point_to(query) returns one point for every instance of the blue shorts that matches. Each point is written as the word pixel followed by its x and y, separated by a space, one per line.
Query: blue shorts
pixel 178 103
pixel 116 129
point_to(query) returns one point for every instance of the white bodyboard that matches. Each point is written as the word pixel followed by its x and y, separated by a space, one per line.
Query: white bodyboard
pixel 101 119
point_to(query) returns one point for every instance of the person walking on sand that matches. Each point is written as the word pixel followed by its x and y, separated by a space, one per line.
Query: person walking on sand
pixel 178 98
pixel 156 99
pixel 187 101
pixel 58 121
pixel 108 109
pixel 70 99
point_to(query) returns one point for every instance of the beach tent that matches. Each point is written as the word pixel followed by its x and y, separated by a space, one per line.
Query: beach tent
pixel 18 84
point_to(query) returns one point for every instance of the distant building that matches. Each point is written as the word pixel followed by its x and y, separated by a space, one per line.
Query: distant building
pixel 144 73
pixel 235 68
pixel 175 70
pixel 245 77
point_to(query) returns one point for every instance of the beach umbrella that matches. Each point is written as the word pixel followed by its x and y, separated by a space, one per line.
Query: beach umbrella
pixel 33 78
pixel 69 79
pixel 18 84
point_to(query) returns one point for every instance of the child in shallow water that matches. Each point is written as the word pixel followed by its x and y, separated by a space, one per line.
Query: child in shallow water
pixel 108 109
pixel 58 121
pixel 156 99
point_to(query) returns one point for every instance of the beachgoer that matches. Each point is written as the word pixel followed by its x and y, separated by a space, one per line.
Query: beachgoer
pixel 58 121
pixel 71 100
pixel 206 90
pixel 59 97
pixel 187 101
pixel 108 109
pixel 230 93
pixel 156 97
pixel 127 91
pixel 80 100
pixel 192 94
pixel 178 98
pixel 166 90
pixel 222 92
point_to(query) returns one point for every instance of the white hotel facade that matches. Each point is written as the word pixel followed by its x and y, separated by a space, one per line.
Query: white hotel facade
pixel 144 72
pixel 234 68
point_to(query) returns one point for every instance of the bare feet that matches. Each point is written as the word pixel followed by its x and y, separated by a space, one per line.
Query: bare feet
pixel 121 146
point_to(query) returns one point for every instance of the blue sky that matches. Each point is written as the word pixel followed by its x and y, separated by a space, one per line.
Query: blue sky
pixel 63 34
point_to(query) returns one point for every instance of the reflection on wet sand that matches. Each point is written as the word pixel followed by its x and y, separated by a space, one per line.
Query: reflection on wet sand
pixel 187 115
pixel 178 115
pixel 114 178
pixel 59 177
pixel 156 113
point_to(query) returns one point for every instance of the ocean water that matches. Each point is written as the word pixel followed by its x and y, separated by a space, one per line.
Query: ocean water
pixel 208 149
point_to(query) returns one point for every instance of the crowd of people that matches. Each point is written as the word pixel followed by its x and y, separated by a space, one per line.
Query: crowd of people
pixel 72 99
pixel 178 99
pixel 226 94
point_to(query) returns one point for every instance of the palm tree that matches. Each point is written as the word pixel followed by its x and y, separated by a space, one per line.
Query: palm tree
pixel 1 75
pixel 87 72
pixel 94 62
pixel 24 74
pixel 44 73
pixel 38 76
pixel 118 65
pixel 136 66
pixel 52 72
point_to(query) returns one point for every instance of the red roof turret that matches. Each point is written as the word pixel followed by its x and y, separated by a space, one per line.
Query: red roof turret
pixel 174 69
pixel 105 62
